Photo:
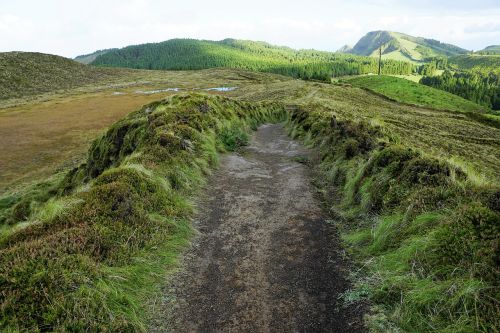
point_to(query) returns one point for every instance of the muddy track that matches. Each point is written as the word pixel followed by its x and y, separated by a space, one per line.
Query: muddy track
pixel 265 260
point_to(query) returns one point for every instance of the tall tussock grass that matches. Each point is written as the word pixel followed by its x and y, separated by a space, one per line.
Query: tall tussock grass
pixel 97 243
pixel 424 231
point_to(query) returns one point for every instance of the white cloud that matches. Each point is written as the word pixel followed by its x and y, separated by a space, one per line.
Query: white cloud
pixel 67 28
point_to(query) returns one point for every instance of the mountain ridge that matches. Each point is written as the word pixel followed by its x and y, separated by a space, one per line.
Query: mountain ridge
pixel 401 46
pixel 192 54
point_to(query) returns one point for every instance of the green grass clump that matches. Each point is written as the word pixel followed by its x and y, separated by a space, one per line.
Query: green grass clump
pixel 91 256
pixel 405 91
pixel 18 206
pixel 234 136
pixel 425 232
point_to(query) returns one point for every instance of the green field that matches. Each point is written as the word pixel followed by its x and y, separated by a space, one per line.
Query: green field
pixel 405 91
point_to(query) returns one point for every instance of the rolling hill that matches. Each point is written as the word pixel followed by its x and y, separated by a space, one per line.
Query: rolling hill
pixel 88 58
pixel 26 73
pixel 483 63
pixel 188 54
pixel 400 46
pixel 492 49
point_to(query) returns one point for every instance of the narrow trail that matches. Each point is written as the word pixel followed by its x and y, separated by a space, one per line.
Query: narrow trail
pixel 265 259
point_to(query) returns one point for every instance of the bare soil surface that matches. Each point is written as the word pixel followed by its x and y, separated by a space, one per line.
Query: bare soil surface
pixel 265 258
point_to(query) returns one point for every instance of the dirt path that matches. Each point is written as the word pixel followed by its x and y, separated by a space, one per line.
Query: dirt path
pixel 265 259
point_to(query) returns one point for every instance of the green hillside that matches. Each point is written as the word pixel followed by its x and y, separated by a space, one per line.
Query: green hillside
pixel 475 62
pixel 483 89
pixel 406 91
pixel 88 58
pixel 490 50
pixel 399 46
pixel 200 54
pixel 26 73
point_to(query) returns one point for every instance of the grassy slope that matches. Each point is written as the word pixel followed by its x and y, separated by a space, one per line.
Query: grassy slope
pixel 443 134
pixel 405 91
pixel 26 73
pixel 89 258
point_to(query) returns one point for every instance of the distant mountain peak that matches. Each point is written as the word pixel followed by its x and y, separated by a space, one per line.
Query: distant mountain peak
pixel 400 46
pixel 345 49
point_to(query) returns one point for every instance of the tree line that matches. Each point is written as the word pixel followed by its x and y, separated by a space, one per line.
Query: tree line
pixel 189 54
pixel 481 88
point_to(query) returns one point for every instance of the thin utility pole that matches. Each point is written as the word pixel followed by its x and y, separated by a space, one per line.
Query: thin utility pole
pixel 379 58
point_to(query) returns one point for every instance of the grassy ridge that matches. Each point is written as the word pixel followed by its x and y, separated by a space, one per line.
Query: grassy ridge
pixel 26 73
pixel 426 235
pixel 88 260
pixel 405 91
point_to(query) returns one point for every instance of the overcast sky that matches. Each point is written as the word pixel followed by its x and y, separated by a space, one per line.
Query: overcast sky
pixel 70 28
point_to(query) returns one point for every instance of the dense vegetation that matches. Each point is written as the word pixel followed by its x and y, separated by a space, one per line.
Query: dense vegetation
pixel 406 91
pixel 92 253
pixel 432 64
pixel 399 46
pixel 426 235
pixel 490 50
pixel 26 73
pixel 198 54
pixel 483 89
pixel 477 63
